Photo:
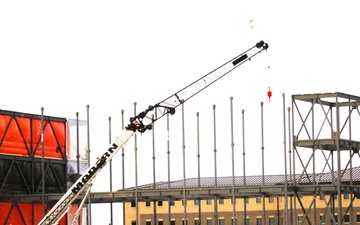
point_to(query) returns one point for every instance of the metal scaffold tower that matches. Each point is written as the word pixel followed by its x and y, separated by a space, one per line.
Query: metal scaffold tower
pixel 326 143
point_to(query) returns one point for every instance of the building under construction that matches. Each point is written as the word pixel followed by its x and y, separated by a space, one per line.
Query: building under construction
pixel 320 184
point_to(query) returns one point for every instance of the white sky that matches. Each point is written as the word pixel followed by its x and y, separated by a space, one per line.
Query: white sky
pixel 64 55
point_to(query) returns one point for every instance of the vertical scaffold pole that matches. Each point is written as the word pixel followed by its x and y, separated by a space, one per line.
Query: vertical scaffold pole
pixel 285 164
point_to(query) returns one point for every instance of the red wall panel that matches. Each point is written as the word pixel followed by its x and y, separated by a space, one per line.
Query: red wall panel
pixel 20 134
pixel 12 140
pixel 22 213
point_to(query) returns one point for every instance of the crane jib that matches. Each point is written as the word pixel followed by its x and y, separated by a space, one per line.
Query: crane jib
pixel 90 173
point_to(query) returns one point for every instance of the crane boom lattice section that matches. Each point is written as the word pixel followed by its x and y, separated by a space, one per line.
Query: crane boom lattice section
pixel 169 104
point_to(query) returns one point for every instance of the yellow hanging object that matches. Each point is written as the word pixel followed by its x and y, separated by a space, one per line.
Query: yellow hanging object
pixel 251 21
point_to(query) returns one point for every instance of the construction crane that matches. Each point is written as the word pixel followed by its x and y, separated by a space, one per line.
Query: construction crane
pixel 141 123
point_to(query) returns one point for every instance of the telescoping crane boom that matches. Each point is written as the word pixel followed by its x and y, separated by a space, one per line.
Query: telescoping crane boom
pixel 141 123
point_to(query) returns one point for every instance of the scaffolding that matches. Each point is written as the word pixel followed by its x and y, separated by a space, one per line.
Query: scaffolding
pixel 326 138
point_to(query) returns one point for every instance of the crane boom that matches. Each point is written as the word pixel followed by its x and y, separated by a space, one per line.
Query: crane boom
pixel 169 104
pixel 139 123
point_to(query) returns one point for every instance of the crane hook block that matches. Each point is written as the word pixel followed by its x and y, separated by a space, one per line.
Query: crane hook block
pixel 269 94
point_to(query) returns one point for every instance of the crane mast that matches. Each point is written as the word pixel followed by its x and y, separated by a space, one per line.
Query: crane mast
pixel 141 123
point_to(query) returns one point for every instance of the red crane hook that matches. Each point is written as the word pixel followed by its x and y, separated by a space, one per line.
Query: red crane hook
pixel 269 94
